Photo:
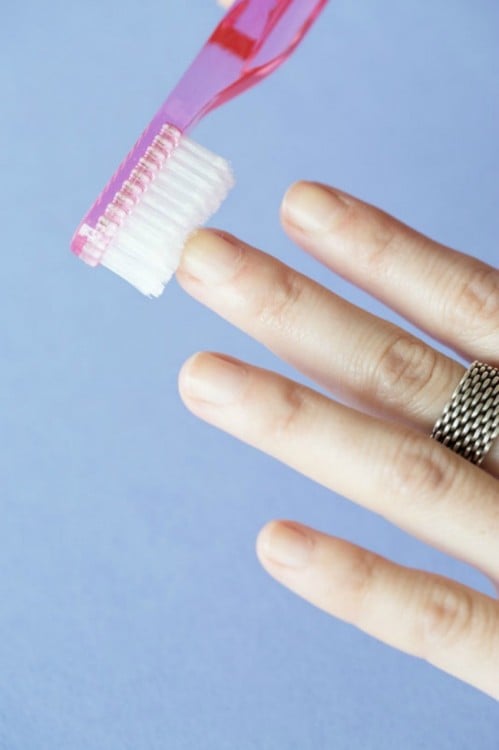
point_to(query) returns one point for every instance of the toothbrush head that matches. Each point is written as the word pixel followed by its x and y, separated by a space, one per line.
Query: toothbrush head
pixel 138 230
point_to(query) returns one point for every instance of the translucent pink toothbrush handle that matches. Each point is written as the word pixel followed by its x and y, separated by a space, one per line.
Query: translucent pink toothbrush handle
pixel 254 37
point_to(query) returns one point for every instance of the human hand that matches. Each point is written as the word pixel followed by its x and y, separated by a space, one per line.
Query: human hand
pixel 398 386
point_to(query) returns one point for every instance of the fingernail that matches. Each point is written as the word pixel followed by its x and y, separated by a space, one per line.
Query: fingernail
pixel 214 378
pixel 312 207
pixel 211 257
pixel 286 544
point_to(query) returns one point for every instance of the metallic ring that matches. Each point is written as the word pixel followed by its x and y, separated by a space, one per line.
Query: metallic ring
pixel 470 422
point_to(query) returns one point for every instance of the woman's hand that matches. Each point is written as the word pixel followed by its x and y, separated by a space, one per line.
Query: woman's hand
pixel 378 453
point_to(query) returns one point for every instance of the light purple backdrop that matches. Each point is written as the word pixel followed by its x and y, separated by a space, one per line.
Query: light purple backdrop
pixel 133 613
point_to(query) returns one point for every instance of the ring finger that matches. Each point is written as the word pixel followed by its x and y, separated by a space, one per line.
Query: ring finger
pixel 410 479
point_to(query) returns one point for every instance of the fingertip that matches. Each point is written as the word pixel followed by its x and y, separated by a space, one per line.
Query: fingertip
pixel 313 208
pixel 262 539
pixel 183 375
pixel 291 196
pixel 209 257
pixel 285 544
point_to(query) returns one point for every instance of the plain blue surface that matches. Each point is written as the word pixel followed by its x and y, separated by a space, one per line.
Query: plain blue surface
pixel 133 612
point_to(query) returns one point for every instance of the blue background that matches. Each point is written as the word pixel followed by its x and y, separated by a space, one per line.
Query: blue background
pixel 133 612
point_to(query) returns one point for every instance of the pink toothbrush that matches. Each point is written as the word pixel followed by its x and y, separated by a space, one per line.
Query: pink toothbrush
pixel 168 185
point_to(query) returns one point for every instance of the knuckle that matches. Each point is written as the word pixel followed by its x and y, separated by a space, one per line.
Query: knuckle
pixel 357 585
pixel 475 301
pixel 420 468
pixel 445 616
pixel 404 369
pixel 288 418
pixel 385 238
pixel 279 299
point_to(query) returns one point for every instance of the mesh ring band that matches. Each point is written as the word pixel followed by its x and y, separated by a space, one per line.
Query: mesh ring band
pixel 470 421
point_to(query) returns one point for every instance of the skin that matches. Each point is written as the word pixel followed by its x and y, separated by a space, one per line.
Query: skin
pixel 393 387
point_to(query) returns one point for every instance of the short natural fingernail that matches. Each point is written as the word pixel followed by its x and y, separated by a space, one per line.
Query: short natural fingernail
pixel 210 256
pixel 213 378
pixel 312 207
pixel 286 544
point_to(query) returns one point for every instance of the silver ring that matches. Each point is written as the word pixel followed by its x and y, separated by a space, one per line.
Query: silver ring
pixel 470 422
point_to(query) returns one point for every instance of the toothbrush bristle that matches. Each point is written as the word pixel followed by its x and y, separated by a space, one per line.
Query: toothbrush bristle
pixel 174 189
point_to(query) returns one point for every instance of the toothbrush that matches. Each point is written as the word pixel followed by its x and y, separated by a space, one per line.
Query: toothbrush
pixel 168 185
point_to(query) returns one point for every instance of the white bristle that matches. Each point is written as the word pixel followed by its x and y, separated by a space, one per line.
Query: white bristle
pixel 185 192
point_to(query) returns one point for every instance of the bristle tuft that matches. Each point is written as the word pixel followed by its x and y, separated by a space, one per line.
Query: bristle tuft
pixel 182 194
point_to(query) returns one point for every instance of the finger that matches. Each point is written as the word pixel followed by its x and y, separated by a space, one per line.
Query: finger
pixel 428 616
pixel 410 479
pixel 369 362
pixel 451 295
